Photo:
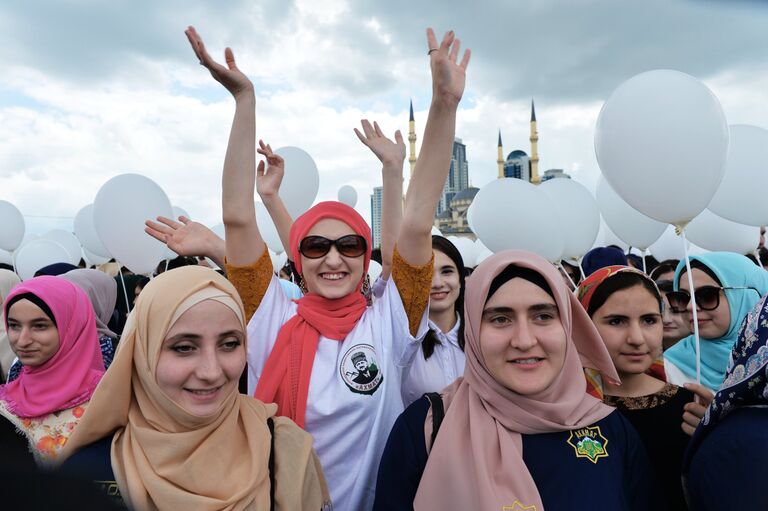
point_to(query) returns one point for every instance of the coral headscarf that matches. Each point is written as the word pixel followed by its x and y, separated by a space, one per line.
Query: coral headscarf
pixel 585 292
pixel 164 457
pixel 477 460
pixel 285 379
pixel 70 376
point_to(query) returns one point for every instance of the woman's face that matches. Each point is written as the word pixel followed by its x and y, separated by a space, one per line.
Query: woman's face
pixel 34 338
pixel 332 275
pixel 712 324
pixel 202 358
pixel 522 339
pixel 631 327
pixel 675 324
pixel 445 284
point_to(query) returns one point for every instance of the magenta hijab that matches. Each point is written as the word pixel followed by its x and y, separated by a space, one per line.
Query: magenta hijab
pixel 70 376
pixel 477 459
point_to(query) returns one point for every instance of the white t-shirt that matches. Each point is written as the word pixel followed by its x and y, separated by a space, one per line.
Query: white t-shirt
pixel 676 376
pixel 354 391
pixel 439 370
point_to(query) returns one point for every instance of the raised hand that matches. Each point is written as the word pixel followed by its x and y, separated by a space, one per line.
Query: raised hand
pixel 448 76
pixel 187 238
pixel 269 177
pixel 230 76
pixel 694 411
pixel 389 153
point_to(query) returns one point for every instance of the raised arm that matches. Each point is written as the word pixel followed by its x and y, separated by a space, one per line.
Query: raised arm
pixel 391 155
pixel 434 160
pixel 187 238
pixel 244 244
pixel 268 181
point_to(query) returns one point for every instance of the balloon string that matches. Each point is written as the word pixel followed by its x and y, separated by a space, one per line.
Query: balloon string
pixel 693 306
pixel 125 291
pixel 645 267
pixel 559 265
pixel 757 257
pixel 581 269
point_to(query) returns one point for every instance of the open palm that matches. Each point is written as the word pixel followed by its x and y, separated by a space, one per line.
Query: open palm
pixel 448 76
pixel 229 76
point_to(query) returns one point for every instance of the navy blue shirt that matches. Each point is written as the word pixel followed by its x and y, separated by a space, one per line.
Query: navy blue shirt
pixel 94 463
pixel 728 469
pixel 601 467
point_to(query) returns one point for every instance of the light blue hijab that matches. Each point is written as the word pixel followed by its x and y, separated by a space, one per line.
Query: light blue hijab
pixel 732 270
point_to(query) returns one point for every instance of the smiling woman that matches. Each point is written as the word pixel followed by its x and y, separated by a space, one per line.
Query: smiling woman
pixel 519 429
pixel 167 428
pixel 52 329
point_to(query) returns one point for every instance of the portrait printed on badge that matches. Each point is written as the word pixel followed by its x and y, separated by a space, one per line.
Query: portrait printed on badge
pixel 360 369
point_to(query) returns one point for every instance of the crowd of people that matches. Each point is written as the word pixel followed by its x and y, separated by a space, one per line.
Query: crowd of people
pixel 435 386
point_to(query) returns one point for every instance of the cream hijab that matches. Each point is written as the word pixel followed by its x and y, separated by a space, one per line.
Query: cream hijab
pixel 8 279
pixel 477 459
pixel 166 458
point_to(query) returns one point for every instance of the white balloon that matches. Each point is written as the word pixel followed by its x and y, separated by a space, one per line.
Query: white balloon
pixel 38 254
pixel 218 230
pixel 436 231
pixel 12 230
pixel 120 208
pixel 85 230
pixel 374 270
pixel 301 181
pixel 466 248
pixel 578 214
pixel 719 234
pixel 661 141
pixel 470 216
pixel 348 196
pixel 631 226
pixel 267 229
pixel 278 260
pixel 741 196
pixel 68 241
pixel 606 237
pixel 514 214
pixel 668 246
pixel 177 212
pixel 94 259
pixel 6 257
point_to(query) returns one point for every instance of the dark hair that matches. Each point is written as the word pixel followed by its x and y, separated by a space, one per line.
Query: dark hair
pixel 695 263
pixel 4 266
pixel 511 272
pixel 664 267
pixel 619 282
pixel 34 299
pixel 376 255
pixel 449 249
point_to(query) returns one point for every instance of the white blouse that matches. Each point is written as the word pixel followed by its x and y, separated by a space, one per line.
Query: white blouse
pixel 439 370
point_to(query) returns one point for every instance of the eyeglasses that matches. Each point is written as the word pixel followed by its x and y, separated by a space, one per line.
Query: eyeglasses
pixel 315 247
pixel 707 297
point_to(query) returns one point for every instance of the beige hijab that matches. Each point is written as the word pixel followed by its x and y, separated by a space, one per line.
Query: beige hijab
pixel 8 279
pixel 166 458
pixel 477 459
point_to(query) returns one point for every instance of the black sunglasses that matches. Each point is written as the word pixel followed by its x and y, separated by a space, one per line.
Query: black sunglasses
pixel 315 247
pixel 707 297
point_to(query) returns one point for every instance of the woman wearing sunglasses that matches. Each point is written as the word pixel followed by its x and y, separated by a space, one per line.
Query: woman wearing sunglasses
pixel 331 363
pixel 626 307
pixel 727 286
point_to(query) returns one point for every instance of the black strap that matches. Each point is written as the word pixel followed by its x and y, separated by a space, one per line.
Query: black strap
pixel 438 412
pixel 271 426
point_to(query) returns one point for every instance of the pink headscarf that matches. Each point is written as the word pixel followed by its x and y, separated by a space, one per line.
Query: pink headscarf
pixel 477 460
pixel 71 375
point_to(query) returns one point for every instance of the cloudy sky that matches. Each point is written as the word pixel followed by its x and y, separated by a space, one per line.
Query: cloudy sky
pixel 91 89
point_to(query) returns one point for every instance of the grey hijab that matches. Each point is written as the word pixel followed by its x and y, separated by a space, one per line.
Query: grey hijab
pixel 102 291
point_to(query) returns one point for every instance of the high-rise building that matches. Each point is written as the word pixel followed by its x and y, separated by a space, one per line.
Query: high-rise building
pixel 518 164
pixel 458 175
pixel 376 199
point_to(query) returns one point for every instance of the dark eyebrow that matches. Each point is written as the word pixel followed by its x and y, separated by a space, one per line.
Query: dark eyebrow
pixel 230 333
pixel 183 336
pixel 539 307
pixel 41 319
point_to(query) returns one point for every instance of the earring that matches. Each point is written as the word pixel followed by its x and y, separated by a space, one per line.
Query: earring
pixel 302 285
pixel 366 290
